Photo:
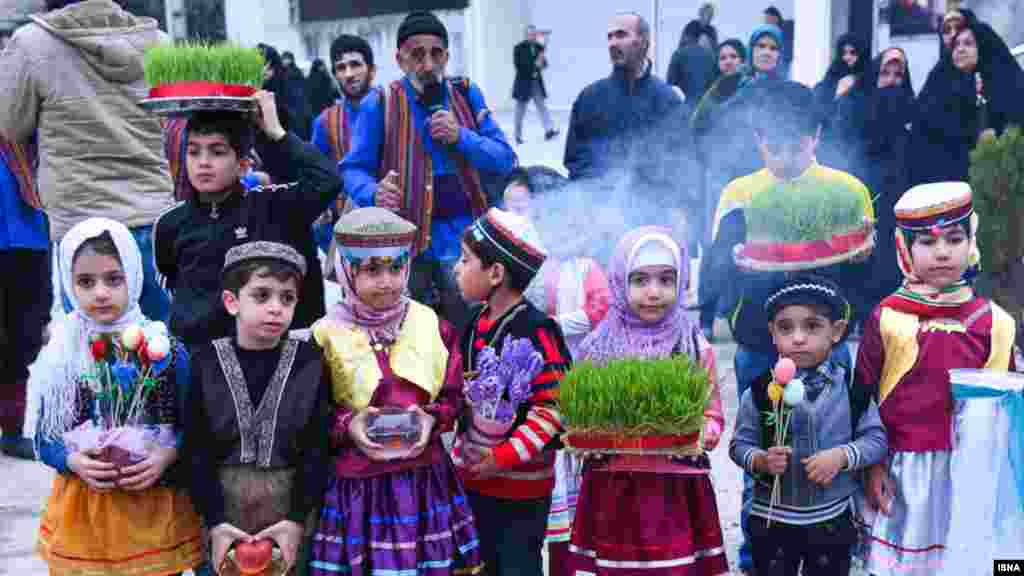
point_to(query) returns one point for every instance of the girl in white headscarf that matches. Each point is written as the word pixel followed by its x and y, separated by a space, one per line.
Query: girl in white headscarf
pixel 107 515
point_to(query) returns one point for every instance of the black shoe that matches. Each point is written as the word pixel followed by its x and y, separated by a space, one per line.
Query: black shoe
pixel 550 134
pixel 520 141
pixel 17 447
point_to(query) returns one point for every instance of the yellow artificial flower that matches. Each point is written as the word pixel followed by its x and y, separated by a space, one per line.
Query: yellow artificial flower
pixel 775 392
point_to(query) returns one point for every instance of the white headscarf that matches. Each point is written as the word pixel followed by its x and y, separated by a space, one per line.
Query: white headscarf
pixel 66 355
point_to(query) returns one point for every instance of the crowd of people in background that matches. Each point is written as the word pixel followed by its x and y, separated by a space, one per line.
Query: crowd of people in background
pixel 405 196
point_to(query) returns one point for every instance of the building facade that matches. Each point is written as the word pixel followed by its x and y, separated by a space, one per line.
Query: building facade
pixel 484 32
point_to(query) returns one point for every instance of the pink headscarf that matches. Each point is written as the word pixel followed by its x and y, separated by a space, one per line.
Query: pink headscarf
pixel 383 325
pixel 622 334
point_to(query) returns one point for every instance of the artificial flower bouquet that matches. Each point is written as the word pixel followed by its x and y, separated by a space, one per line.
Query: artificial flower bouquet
pixel 784 393
pixel 498 387
pixel 197 77
pixel 632 406
pixel 801 225
pixel 122 378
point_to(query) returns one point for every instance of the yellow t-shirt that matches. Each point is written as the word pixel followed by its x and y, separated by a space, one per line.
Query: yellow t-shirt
pixel 739 193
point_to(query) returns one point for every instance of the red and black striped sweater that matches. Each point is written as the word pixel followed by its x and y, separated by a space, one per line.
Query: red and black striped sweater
pixel 526 469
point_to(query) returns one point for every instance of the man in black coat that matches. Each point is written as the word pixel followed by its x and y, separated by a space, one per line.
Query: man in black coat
pixel 627 118
pixel 529 60
pixel 629 134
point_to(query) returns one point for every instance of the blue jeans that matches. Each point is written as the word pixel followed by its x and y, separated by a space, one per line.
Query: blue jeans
pixel 750 365
pixel 154 301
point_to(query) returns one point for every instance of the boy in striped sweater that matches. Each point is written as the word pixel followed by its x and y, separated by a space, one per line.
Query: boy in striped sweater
pixel 509 485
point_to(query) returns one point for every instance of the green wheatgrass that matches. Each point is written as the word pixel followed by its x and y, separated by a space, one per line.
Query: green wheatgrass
pixel 804 212
pixel 635 397
pixel 223 63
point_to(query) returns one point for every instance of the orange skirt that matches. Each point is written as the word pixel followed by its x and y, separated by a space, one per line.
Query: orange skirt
pixel 155 532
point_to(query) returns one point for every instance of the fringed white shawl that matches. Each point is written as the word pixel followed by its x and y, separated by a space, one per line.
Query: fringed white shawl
pixel 56 370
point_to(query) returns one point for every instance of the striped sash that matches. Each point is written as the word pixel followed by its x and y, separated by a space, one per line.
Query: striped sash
pixel 175 144
pixel 405 153
pixel 21 161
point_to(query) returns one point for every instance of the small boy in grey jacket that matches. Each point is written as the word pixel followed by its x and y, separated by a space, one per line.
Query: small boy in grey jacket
pixel 833 433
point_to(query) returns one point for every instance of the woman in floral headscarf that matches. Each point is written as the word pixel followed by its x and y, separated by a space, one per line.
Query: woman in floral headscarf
pixel 666 519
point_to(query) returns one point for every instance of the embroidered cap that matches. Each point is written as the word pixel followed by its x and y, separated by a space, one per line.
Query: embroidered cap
pixel 808 289
pixel 264 250
pixel 940 204
pixel 374 233
pixel 514 238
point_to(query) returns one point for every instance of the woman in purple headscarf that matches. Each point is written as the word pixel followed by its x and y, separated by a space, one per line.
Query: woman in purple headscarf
pixel 650 514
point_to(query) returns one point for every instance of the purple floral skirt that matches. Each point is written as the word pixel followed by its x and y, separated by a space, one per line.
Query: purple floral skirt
pixel 415 521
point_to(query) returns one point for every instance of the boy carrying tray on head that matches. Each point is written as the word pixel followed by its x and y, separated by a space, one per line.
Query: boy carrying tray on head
pixel 192 238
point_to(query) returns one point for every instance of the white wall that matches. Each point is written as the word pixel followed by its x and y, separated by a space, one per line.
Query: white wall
pixel 250 22
pixel 492 29
pixel 578 47
pixel 1006 16
pixel 812 47
pixel 578 50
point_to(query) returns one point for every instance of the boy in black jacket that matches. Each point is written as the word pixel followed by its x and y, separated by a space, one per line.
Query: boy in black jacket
pixel 191 239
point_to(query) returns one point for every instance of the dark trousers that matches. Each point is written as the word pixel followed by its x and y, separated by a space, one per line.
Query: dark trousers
pixel 824 548
pixel 25 299
pixel 511 534
pixel 432 283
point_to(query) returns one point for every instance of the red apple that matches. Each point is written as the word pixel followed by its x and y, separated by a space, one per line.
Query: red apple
pixel 254 557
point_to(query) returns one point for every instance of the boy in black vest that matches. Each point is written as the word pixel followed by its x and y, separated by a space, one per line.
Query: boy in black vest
pixel 191 239
pixel 259 411
pixel 832 431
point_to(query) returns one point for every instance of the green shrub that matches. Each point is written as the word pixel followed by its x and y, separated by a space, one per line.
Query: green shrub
pixel 636 397
pixel 997 178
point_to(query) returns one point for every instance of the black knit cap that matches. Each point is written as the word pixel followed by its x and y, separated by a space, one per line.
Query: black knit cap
pixel 808 290
pixel 422 22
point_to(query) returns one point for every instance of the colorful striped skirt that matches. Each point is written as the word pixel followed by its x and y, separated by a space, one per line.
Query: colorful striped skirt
pixel 645 523
pixel 568 470
pixel 402 523
pixel 154 532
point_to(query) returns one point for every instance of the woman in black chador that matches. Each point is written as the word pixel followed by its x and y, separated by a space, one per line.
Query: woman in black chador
pixel 974 91
pixel 874 119
pixel 844 75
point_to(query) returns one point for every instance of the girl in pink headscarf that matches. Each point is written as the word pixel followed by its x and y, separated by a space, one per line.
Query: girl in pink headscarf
pixel 650 514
